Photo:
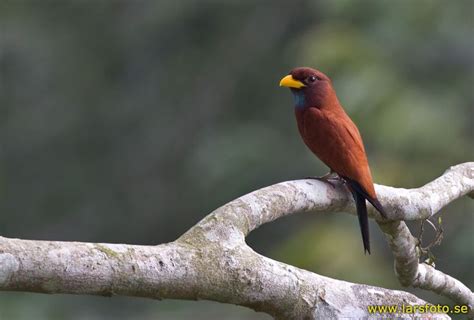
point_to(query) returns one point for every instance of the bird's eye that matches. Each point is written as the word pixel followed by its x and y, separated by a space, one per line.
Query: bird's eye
pixel 312 79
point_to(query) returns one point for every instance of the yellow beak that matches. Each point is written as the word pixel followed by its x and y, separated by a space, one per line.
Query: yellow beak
pixel 291 82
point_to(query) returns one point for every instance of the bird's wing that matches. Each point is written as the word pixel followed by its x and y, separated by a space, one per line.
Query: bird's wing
pixel 335 139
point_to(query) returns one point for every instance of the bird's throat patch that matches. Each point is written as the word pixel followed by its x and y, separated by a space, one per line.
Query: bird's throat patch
pixel 299 97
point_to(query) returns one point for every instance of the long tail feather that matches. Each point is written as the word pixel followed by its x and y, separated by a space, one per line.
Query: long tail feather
pixel 363 219
pixel 373 201
pixel 360 195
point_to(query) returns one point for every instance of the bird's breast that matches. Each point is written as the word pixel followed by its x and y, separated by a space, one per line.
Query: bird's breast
pixel 311 128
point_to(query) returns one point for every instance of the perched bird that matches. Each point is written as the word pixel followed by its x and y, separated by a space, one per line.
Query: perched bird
pixel 332 136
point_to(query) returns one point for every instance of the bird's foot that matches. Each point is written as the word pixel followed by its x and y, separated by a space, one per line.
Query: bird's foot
pixel 327 178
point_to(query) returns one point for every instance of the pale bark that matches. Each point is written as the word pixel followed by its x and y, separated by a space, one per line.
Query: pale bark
pixel 212 261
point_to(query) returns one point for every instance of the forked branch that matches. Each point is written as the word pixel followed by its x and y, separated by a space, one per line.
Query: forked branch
pixel 212 261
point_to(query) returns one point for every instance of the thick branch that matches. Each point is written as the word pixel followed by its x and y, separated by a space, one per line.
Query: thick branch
pixel 270 203
pixel 221 271
pixel 211 260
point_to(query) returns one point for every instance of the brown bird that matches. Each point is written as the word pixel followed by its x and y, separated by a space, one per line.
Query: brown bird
pixel 332 136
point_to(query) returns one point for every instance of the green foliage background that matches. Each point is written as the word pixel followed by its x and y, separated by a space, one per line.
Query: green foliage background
pixel 128 121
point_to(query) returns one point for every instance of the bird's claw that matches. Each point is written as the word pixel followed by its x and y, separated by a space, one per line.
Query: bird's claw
pixel 326 178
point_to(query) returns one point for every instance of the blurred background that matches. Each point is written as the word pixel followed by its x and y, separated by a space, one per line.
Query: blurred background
pixel 129 121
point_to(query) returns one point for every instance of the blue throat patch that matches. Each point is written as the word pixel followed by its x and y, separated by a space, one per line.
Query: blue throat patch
pixel 299 97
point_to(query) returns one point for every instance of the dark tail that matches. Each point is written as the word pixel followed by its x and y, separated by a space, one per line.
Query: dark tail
pixel 363 219
pixel 360 195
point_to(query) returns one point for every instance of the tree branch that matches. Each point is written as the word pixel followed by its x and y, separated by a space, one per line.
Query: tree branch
pixel 212 261
pixel 426 201
pixel 420 275
pixel 454 183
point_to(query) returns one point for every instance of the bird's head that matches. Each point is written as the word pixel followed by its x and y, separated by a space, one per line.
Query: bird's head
pixel 310 87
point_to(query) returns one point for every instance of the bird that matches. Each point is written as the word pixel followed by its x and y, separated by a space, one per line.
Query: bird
pixel 331 135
